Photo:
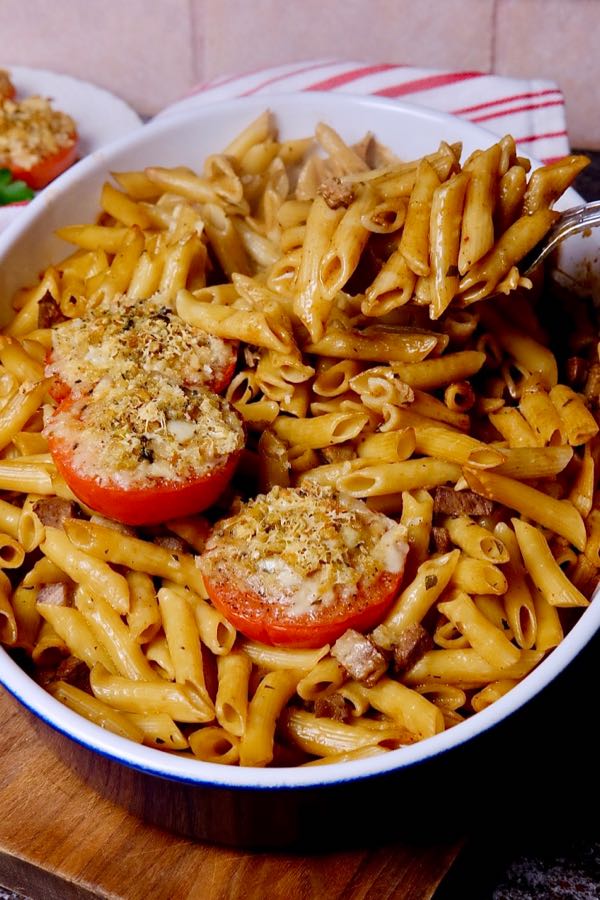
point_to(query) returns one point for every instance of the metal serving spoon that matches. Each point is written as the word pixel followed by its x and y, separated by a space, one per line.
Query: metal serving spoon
pixel 572 221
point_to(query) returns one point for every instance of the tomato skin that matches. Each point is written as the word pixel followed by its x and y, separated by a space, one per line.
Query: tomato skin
pixel 257 619
pixel 148 505
pixel 48 168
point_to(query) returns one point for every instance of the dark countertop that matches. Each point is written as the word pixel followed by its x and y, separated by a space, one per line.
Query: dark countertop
pixel 549 848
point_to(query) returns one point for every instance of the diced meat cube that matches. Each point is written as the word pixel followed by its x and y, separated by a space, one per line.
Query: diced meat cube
pixel 407 645
pixel 460 503
pixel 53 511
pixel 335 193
pixel 359 656
pixel 332 706
pixel 441 539
pixel 59 594
pixel 49 312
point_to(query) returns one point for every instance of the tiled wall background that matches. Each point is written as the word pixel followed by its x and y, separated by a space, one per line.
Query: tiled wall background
pixel 152 51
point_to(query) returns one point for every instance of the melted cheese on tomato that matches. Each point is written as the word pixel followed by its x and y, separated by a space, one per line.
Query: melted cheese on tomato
pixel 301 548
pixel 134 432
pixel 124 337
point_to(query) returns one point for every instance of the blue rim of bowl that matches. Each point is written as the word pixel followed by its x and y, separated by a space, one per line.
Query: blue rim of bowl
pixel 196 772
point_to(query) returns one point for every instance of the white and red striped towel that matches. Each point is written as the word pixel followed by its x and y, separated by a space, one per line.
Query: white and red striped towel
pixel 532 110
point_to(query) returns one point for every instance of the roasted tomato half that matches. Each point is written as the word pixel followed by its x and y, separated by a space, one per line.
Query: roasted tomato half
pixel 298 566
pixel 146 450
pixel 123 336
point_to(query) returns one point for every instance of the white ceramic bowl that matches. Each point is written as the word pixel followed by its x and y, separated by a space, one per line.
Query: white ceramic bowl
pixel 28 245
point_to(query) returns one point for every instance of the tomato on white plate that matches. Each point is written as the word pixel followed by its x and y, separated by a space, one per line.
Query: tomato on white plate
pixel 297 567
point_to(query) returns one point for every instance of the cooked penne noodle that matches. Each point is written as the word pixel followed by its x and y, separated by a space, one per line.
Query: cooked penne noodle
pixel 267 328
pixel 543 569
pixel 380 345
pixel 389 446
pixel 143 619
pixel 492 692
pixel 183 640
pixel 71 626
pixel 477 230
pixel 327 675
pixel 121 549
pixel 95 710
pixel 149 697
pixel 274 658
pixel 94 575
pixel 577 421
pixel 320 431
pixel 8 622
pixel 113 635
pixel 231 704
pixel 309 304
pixel 518 604
pixel 467 667
pixel 513 427
pixel 215 745
pixel 582 489
pixel 478 576
pixel 406 707
pixel 159 731
pixel 476 541
pixel 270 697
pixel 444 240
pixel 534 462
pixel 394 477
pixel 559 516
pixel 327 738
pixel 489 641
pixel 540 413
pixel 549 630
pixel 418 597
pixel 214 630
pixel 518 239
pixel 158 655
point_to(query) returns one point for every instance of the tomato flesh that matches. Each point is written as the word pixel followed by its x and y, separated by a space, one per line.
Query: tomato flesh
pixel 158 502
pixel 268 622
pixel 48 168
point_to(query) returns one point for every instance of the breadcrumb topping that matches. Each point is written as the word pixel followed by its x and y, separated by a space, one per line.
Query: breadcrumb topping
pixel 304 547
pixel 135 432
pixel 30 130
pixel 123 337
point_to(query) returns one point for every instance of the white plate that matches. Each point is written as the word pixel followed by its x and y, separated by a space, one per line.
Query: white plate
pixel 100 116
pixel 186 140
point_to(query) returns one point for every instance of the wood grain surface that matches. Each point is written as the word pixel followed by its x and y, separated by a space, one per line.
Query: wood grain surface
pixel 60 839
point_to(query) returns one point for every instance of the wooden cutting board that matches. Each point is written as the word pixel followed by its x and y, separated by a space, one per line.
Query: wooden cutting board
pixel 59 839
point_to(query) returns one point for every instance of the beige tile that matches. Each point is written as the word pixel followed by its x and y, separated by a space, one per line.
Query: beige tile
pixel 239 36
pixel 140 49
pixel 558 40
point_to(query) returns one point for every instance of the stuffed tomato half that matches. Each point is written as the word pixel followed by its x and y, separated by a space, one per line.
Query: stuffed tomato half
pixel 147 449
pixel 123 336
pixel 298 567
